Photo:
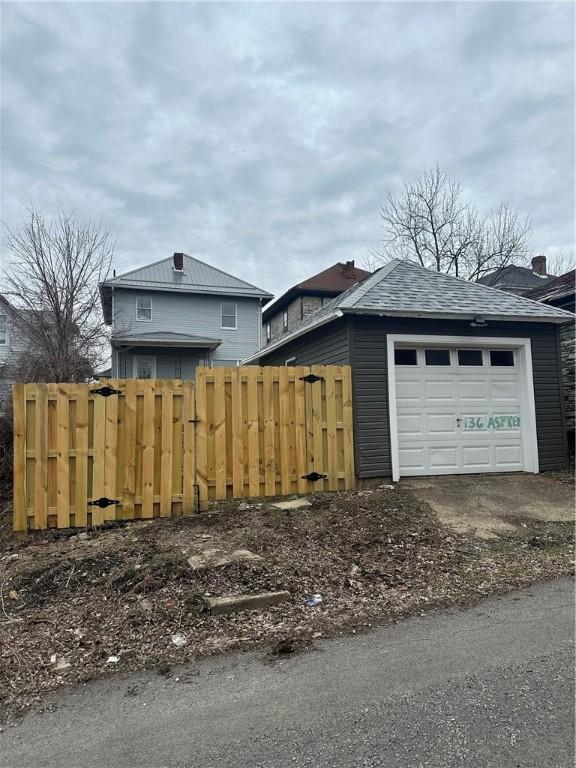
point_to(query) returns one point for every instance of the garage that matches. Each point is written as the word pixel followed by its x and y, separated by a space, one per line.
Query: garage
pixel 448 376
pixel 461 407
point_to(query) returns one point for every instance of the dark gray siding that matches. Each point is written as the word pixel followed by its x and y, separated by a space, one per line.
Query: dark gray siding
pixel 328 345
pixel 370 386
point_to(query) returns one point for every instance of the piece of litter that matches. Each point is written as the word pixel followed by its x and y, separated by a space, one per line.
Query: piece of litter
pixel 53 658
pixel 313 600
pixel 178 640
pixel 112 659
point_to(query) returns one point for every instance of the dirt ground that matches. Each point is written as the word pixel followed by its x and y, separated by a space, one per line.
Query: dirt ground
pixel 487 506
pixel 73 609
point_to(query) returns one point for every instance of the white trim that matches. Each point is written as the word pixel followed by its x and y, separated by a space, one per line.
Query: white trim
pixel 6 341
pixel 229 327
pixel 143 357
pixel 524 365
pixel 290 360
pixel 143 319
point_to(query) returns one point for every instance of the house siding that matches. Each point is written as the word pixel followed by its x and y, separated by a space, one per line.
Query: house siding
pixel 198 315
pixel 326 346
pixel 299 309
pixel 370 385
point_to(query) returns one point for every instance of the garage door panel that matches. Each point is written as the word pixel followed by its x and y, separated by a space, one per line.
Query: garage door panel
pixel 439 390
pixel 412 458
pixel 407 391
pixel 473 390
pixel 442 457
pixel 508 455
pixel 476 456
pixel 504 391
pixel 410 425
pixel 440 424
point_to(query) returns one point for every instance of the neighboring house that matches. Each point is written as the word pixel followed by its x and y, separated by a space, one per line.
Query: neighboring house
pixel 560 292
pixel 519 280
pixel 448 376
pixel 178 313
pixel 302 300
pixel 11 347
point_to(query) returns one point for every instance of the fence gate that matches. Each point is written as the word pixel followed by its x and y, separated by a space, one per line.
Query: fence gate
pixel 129 449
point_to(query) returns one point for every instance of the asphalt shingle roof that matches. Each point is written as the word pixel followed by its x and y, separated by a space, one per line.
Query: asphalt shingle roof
pixel 403 288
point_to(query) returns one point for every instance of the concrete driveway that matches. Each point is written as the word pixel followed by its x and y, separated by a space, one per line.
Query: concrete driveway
pixel 489 505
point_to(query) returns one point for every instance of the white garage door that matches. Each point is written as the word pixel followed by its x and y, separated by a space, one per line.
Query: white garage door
pixel 458 410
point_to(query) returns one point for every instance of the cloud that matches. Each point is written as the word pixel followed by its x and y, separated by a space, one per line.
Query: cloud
pixel 264 137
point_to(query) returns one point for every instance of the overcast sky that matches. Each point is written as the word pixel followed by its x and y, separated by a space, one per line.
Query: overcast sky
pixel 264 137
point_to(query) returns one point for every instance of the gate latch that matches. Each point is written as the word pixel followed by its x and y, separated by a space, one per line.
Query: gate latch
pixel 313 476
pixel 310 378
pixel 103 502
pixel 106 391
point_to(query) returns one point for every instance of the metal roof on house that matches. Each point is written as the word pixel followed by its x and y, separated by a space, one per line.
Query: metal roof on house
pixel 405 289
pixel 197 277
pixel 164 339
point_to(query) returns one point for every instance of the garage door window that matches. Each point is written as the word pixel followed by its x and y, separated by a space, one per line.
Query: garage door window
pixel 470 357
pixel 501 357
pixel 437 356
pixel 405 357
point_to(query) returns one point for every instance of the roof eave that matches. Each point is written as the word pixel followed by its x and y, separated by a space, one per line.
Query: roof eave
pixel 461 316
pixel 173 343
pixel 215 291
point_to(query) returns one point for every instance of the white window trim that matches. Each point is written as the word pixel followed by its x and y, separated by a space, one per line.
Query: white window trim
pixel 143 357
pixel 229 327
pixel 284 321
pixel 5 342
pixel 523 357
pixel 142 319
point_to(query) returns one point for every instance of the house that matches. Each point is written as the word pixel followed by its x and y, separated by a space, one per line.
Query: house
pixel 519 280
pixel 12 346
pixel 307 297
pixel 560 292
pixel 448 376
pixel 177 313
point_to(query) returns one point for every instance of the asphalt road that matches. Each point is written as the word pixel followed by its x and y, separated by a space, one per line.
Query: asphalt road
pixel 489 687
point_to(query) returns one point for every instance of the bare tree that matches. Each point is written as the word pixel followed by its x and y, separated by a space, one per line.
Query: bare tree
pixel 431 223
pixel 52 284
pixel 561 262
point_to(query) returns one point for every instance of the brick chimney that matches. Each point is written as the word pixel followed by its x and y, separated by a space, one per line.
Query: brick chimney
pixel 539 265
pixel 348 269
pixel 178 262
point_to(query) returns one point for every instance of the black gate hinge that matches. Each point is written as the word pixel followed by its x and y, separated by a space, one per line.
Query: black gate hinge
pixel 103 502
pixel 314 476
pixel 106 391
pixel 310 378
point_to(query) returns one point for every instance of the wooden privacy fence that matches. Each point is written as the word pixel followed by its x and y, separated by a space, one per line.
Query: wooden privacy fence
pixel 129 449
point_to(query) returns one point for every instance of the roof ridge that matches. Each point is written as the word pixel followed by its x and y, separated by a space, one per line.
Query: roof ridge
pixel 361 289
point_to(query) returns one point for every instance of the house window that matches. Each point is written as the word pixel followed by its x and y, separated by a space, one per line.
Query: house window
pixel 3 328
pixel 285 320
pixel 144 308
pixel 470 357
pixel 144 367
pixel 405 357
pixel 268 332
pixel 437 356
pixel 228 315
pixel 502 357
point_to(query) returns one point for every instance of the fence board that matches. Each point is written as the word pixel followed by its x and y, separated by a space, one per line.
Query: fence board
pixel 81 461
pixel 164 448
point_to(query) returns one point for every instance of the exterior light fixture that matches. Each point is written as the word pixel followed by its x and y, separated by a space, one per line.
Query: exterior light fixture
pixel 478 322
